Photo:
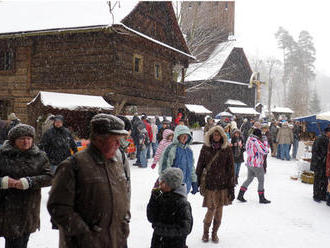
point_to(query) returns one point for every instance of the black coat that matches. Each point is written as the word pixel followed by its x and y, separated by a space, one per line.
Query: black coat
pixel 57 142
pixel 238 151
pixel 171 218
pixel 318 165
pixel 20 209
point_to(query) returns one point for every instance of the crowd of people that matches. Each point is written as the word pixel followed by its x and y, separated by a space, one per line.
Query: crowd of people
pixel 89 201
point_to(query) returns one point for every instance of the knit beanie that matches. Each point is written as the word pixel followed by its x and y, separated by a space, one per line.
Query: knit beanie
pixel 20 130
pixel 59 118
pixel 172 177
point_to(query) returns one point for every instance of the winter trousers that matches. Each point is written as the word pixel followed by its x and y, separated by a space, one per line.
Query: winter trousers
pixel 20 242
pixel 257 172
pixel 295 148
pixel 320 185
pixel 237 167
pixel 274 149
pixel 285 151
pixel 143 158
pixel 213 214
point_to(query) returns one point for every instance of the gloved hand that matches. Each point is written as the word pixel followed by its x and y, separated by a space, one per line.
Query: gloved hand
pixel 194 188
pixel 153 166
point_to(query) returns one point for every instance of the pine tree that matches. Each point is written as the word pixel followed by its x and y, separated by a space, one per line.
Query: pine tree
pixel 315 106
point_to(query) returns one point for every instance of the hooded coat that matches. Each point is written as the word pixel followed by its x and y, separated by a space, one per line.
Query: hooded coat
pixel 163 144
pixel 171 218
pixel 20 209
pixel 238 152
pixel 88 201
pixel 221 173
pixel 180 156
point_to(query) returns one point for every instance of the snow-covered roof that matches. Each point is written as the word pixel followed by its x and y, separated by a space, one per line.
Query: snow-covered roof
pixel 208 69
pixel 60 16
pixel 281 110
pixel 246 111
pixel 198 109
pixel 323 116
pixel 235 102
pixel 42 15
pixel 72 101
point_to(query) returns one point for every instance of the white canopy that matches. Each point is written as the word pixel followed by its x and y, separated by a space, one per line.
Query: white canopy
pixel 281 110
pixel 223 114
pixel 198 109
pixel 246 111
pixel 323 116
pixel 72 101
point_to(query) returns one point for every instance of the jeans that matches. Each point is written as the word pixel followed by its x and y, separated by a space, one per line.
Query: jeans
pixel 143 158
pixel 237 167
pixel 295 148
pixel 279 150
pixel 285 154
pixel 148 151
pixel 154 148
pixel 20 242
pixel 138 151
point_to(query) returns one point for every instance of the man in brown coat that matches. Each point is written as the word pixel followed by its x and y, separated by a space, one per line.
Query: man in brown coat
pixel 89 197
pixel 284 139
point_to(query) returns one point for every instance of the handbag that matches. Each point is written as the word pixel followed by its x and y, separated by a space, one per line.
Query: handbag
pixel 202 187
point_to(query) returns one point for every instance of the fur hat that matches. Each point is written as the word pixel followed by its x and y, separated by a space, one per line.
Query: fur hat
pixel 172 177
pixel 20 130
pixel 58 118
pixel 106 123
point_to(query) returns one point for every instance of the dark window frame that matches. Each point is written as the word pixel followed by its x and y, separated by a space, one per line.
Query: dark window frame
pixel 7 60
pixel 157 71
pixel 137 63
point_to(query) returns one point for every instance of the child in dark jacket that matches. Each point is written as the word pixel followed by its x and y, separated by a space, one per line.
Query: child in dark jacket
pixel 169 211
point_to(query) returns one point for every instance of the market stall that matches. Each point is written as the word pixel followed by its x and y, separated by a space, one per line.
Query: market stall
pixel 77 110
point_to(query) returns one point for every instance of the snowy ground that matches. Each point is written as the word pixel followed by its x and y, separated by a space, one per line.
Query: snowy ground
pixel 292 220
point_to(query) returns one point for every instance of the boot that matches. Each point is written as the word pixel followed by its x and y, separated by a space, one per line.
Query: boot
pixel 262 198
pixel 205 237
pixel 241 194
pixel 215 229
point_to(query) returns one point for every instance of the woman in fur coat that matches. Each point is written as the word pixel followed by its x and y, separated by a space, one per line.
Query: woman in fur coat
pixel 220 182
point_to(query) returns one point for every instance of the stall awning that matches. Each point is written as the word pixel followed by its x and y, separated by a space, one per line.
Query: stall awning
pixel 235 102
pixel 198 109
pixel 243 111
pixel 71 101
pixel 223 114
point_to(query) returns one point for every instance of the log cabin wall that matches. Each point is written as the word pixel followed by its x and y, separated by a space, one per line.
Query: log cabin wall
pixel 95 63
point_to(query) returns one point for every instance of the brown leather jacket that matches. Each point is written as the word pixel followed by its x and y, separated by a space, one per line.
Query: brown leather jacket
pixel 89 202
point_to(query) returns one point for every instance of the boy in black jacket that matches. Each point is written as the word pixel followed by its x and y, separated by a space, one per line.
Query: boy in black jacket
pixel 169 211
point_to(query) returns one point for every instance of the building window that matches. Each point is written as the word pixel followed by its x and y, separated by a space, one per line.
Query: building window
pixel 137 63
pixel 158 71
pixel 6 60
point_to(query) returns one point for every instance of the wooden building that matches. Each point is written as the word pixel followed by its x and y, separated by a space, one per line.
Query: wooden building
pixel 224 75
pixel 129 63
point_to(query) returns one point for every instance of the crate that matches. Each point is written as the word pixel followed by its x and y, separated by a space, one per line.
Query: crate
pixel 307 177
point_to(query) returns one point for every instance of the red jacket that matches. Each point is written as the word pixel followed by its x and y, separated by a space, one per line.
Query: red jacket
pixel 149 129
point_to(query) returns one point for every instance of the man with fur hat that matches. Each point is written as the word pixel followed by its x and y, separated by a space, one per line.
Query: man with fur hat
pixel 24 170
pixel 169 211
pixel 89 196
pixel 57 142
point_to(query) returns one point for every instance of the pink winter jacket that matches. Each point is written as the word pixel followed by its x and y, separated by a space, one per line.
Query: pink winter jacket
pixel 163 144
pixel 256 151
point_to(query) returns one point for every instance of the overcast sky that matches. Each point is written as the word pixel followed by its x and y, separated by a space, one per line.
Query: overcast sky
pixel 256 22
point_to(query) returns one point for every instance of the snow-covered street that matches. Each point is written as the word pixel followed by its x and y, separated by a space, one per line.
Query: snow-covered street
pixel 292 219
